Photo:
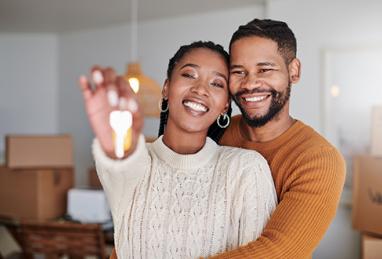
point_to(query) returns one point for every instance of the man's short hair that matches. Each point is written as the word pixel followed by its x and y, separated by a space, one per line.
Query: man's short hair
pixel 277 31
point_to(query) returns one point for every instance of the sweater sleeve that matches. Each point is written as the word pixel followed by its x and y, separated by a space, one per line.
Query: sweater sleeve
pixel 311 196
pixel 259 201
pixel 120 177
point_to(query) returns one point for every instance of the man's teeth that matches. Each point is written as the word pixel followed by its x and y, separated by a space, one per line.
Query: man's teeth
pixel 255 98
pixel 196 106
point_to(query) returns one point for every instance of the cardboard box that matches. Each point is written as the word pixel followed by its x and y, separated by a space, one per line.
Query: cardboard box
pixel 94 181
pixel 371 247
pixel 54 151
pixel 34 194
pixel 367 194
pixel 376 131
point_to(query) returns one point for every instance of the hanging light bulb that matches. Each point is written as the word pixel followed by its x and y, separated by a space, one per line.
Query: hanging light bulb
pixel 148 91
pixel 133 74
pixel 133 70
pixel 134 83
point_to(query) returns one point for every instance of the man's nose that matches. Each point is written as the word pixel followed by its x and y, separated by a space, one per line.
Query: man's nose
pixel 251 81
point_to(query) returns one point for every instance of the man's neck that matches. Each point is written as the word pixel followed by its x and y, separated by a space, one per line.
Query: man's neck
pixel 269 131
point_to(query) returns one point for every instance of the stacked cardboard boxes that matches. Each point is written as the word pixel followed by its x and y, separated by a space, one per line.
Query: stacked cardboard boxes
pixel 367 192
pixel 371 247
pixel 36 177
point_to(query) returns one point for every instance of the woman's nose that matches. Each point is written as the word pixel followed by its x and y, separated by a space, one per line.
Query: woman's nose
pixel 200 87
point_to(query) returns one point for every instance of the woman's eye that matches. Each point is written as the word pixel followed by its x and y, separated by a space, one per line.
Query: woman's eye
pixel 217 84
pixel 188 75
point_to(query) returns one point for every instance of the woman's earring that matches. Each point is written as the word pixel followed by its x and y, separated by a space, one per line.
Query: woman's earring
pixel 163 105
pixel 223 120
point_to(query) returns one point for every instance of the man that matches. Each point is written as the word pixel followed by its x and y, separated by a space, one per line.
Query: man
pixel 308 171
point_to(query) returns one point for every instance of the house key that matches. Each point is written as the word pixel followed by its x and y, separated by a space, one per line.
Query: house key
pixel 120 122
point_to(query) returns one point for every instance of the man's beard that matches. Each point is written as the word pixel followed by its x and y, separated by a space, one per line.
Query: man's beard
pixel 279 99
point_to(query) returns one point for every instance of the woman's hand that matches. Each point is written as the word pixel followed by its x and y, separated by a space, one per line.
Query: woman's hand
pixel 110 93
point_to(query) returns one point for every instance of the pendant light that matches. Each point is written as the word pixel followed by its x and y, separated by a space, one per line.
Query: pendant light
pixel 147 90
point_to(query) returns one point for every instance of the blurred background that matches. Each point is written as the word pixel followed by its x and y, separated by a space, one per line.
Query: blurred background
pixel 45 45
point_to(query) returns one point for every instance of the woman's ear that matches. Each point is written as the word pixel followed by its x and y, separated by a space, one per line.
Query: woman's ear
pixel 226 107
pixel 294 68
pixel 165 89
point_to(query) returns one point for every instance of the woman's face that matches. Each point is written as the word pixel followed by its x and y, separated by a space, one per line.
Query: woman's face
pixel 197 91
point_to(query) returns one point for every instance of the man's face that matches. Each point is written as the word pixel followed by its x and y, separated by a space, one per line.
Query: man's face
pixel 259 80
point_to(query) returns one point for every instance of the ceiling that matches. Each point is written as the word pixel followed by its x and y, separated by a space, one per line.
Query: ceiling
pixel 58 16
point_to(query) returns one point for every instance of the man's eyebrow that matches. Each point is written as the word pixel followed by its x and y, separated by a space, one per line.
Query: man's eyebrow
pixel 268 64
pixel 260 64
pixel 235 66
pixel 190 65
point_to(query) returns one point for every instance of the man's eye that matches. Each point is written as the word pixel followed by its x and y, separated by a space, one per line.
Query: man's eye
pixel 188 75
pixel 238 72
pixel 264 70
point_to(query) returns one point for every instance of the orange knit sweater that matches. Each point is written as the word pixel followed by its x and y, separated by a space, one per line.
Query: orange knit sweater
pixel 309 174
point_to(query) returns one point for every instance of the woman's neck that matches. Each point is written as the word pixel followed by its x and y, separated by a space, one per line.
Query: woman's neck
pixel 183 142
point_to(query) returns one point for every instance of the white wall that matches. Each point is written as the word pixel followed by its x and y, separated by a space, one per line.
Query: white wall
pixel 28 85
pixel 319 25
pixel 158 41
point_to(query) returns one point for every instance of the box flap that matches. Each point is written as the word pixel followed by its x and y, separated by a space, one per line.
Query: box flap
pixel 39 151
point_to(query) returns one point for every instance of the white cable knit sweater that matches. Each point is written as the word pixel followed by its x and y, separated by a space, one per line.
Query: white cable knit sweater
pixel 167 205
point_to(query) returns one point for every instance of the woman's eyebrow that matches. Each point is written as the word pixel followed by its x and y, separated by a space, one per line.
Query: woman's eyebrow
pixel 190 65
pixel 197 66
pixel 221 75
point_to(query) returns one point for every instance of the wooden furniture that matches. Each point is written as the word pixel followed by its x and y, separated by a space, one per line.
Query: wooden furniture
pixel 55 239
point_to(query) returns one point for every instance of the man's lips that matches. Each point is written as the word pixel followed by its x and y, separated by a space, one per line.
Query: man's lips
pixel 255 98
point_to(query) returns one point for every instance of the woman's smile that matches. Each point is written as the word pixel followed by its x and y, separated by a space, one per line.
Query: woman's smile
pixel 195 107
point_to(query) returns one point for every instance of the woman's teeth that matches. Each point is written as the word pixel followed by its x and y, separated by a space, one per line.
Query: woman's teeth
pixel 255 98
pixel 196 106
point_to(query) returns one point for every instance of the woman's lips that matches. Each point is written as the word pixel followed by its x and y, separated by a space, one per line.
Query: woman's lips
pixel 195 106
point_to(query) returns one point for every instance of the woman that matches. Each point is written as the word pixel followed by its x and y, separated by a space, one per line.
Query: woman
pixel 182 196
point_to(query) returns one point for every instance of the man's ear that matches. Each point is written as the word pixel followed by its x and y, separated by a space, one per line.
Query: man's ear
pixel 165 89
pixel 294 69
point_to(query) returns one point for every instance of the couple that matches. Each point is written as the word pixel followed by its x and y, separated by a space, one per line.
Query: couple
pixel 184 196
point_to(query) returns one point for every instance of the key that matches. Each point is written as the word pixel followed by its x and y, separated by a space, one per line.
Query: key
pixel 120 122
